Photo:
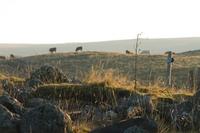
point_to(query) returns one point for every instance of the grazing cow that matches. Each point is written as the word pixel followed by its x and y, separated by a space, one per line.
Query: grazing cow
pixel 52 50
pixel 128 52
pixel 2 57
pixel 12 56
pixel 80 48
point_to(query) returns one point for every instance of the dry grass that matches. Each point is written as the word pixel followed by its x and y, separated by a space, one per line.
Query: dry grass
pixel 113 79
pixel 163 126
pixel 13 81
pixel 11 78
pixel 2 76
pixel 109 77
pixel 150 68
pixel 162 92
pixel 102 85
pixel 106 86
pixel 83 127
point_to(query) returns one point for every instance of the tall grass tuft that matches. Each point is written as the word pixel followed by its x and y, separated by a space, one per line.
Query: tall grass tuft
pixel 109 78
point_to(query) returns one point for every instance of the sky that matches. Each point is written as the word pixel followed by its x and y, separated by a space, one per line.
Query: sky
pixel 60 21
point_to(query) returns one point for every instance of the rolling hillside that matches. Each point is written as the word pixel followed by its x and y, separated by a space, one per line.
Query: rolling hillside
pixel 151 69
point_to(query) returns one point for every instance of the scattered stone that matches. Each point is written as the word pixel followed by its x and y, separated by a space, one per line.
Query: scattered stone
pixel 181 116
pixel 34 83
pixel 110 115
pixel 164 108
pixel 10 88
pixel 141 122
pixel 47 74
pixel 196 111
pixel 134 111
pixel 196 98
pixel 7 86
pixel 143 101
pixel 75 81
pixel 46 119
pixel 166 100
pixel 88 112
pixel 135 129
pixel 126 105
pixel 24 94
pixel 7 121
pixel 184 122
pixel 12 105
pixel 36 102
pixel 185 106
pixel 196 117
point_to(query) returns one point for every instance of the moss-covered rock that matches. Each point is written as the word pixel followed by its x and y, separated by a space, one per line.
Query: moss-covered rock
pixel 47 74
pixel 46 119
pixel 7 121
pixel 90 93
pixel 12 105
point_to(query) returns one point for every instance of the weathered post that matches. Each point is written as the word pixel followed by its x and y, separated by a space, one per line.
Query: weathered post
pixel 191 79
pixel 170 61
pixel 198 79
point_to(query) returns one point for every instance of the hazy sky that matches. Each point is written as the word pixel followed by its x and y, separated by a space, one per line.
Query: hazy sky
pixel 58 21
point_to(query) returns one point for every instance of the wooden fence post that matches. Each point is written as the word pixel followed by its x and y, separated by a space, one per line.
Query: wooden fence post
pixel 191 79
pixel 170 61
pixel 198 79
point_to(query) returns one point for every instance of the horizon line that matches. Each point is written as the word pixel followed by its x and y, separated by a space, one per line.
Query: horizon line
pixel 80 42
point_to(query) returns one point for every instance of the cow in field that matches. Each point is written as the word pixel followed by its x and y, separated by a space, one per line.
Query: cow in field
pixel 52 50
pixel 2 57
pixel 12 56
pixel 80 48
pixel 128 52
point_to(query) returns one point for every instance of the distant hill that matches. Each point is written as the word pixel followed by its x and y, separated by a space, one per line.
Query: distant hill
pixel 191 53
pixel 156 46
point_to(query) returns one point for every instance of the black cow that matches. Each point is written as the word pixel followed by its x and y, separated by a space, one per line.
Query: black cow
pixel 128 52
pixel 2 57
pixel 12 56
pixel 52 50
pixel 80 48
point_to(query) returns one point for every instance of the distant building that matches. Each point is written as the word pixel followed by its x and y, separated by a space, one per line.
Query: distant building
pixel 145 52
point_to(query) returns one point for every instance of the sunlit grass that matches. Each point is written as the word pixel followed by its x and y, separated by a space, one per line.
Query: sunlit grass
pixel 108 77
pixel 11 78
pixel 107 83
